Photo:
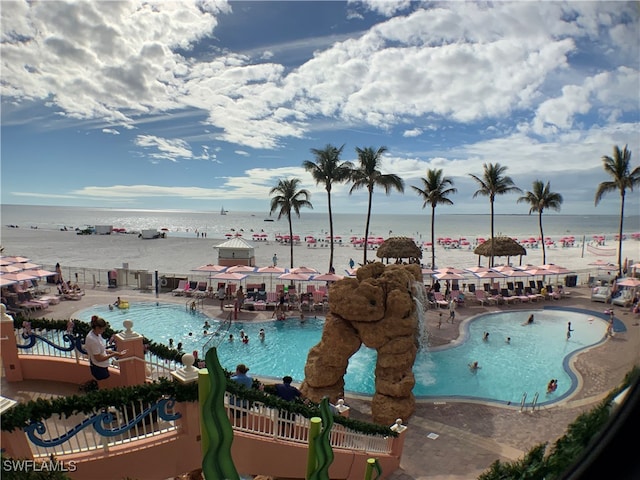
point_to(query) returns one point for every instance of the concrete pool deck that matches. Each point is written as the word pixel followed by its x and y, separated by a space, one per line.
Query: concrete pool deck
pixel 469 436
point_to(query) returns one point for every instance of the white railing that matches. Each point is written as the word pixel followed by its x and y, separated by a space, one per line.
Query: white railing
pixel 88 439
pixel 157 367
pixel 43 348
pixel 259 419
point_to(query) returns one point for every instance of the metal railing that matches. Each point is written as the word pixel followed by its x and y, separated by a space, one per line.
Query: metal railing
pixel 258 419
pixel 101 430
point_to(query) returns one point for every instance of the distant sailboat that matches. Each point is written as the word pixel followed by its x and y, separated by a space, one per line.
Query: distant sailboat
pixel 223 211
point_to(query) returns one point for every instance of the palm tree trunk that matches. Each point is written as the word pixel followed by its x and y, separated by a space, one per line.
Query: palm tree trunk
pixel 291 238
pixel 433 238
pixel 544 253
pixel 330 232
pixel 366 228
pixel 620 233
pixel 491 253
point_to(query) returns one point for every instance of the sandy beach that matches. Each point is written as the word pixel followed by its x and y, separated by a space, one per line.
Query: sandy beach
pixel 176 255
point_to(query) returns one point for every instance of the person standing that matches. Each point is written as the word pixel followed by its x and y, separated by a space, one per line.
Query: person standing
pixel 569 330
pixel 351 263
pixel 96 346
pixel 452 311
pixel 275 260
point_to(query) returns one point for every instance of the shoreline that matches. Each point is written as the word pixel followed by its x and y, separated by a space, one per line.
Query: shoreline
pixel 181 255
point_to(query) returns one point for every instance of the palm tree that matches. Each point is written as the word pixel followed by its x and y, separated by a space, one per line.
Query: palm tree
pixel 435 192
pixel 492 183
pixel 539 198
pixel 328 170
pixel 622 179
pixel 368 175
pixel 289 199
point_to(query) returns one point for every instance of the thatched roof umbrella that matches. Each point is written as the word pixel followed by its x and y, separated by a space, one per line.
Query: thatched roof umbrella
pixel 399 248
pixel 503 247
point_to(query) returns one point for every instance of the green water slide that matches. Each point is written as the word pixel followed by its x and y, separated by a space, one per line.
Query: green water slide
pixel 217 434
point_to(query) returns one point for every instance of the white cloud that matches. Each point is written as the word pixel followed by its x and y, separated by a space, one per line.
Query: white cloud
pixel 112 131
pixel 414 132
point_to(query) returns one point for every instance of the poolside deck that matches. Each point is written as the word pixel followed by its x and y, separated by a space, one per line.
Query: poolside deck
pixel 470 435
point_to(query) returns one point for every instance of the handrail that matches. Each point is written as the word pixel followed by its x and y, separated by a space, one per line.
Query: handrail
pixel 524 398
pixel 535 401
pixel 218 334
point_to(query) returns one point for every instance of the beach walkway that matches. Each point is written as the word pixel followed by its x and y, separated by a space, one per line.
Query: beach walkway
pixel 446 440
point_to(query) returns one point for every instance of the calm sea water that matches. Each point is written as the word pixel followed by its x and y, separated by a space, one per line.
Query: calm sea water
pixel 186 223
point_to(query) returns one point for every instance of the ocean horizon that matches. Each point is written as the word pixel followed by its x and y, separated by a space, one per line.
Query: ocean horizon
pixel 187 223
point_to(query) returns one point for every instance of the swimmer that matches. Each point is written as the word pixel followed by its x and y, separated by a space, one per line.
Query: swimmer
pixel 206 325
pixel 171 343
pixel 245 339
pixel 261 334
pixel 231 337
pixel 110 307
pixel 485 336
pixel 205 333
pixel 474 366
pixel 302 318
pixel 241 333
pixel 529 320
pixel 508 340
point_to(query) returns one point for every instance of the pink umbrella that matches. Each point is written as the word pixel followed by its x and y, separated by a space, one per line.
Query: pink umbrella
pixel 15 259
pixel 449 276
pixel 9 269
pixel 210 268
pixel 40 273
pixel 304 270
pixel 18 276
pixel 477 269
pixel 5 281
pixel 502 268
pixel 450 270
pixel 327 277
pixel 241 269
pixel 27 265
pixel 489 274
pixel 229 276
pixel 295 276
pixel 428 271
pixel 629 282
pixel 271 269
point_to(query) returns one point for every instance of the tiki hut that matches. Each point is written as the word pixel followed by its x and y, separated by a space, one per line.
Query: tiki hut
pixel 399 248
pixel 503 247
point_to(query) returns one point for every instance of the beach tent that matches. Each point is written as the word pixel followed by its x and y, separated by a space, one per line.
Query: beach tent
pixel 236 251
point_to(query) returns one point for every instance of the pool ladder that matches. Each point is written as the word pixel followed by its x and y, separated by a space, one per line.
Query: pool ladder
pixel 524 399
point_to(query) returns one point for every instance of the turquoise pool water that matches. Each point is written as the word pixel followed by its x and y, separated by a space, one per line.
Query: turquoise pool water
pixel 535 354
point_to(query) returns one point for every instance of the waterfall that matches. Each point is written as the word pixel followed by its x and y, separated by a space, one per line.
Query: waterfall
pixel 419 294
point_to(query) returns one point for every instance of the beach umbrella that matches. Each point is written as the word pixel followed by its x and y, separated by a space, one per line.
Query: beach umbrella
pixel 450 270
pixel 295 276
pixel 26 265
pixel 40 273
pixel 229 276
pixel 19 276
pixel 628 282
pixel 449 276
pixel 15 259
pixel 477 269
pixel 428 271
pixel 241 269
pixel 210 268
pixel 6 281
pixel 327 277
pixel 271 270
pixel 10 268
pixel 489 274
pixel 303 270
pixel 502 268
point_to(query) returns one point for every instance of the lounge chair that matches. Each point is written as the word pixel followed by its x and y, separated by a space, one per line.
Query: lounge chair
pixel 180 289
pixel 507 297
pixel 440 300
pixel 482 298
pixel 533 296
pixel 522 296
pixel 201 290
pixel 624 299
pixel 601 294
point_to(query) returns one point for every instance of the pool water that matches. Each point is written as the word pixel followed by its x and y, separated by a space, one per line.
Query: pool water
pixel 535 354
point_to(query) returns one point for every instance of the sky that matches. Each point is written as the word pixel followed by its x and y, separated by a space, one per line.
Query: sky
pixel 200 105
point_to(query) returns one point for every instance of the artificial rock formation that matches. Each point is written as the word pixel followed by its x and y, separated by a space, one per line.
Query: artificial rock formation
pixel 376 308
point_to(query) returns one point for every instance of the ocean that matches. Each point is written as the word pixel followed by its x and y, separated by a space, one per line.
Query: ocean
pixel 215 225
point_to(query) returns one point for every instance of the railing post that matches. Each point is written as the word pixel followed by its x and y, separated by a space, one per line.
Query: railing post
pixel 14 443
pixel 132 365
pixel 9 351
pixel 397 444
pixel 189 422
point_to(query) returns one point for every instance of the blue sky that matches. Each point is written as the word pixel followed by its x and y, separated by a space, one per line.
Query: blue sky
pixel 198 105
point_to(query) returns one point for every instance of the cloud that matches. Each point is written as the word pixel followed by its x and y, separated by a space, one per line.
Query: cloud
pixel 414 132
pixel 112 131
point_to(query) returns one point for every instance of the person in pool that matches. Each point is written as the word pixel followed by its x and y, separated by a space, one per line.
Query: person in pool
pixel 474 367
pixel 529 320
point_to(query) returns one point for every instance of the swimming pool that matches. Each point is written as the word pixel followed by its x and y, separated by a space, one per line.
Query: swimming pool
pixel 535 354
